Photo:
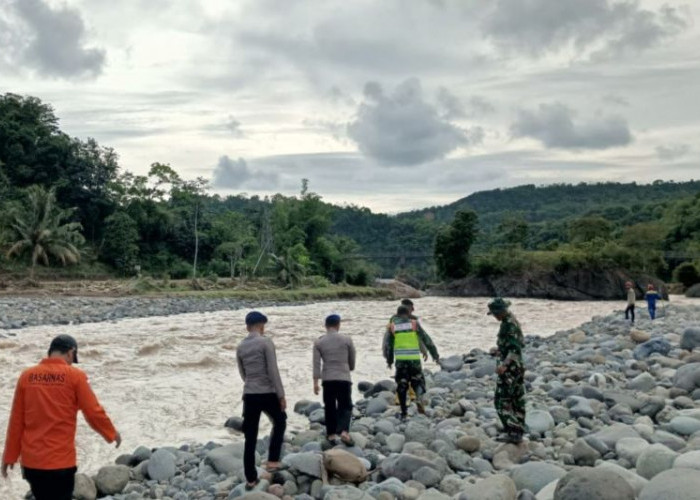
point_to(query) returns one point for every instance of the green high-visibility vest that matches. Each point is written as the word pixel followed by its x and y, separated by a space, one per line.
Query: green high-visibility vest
pixel 406 343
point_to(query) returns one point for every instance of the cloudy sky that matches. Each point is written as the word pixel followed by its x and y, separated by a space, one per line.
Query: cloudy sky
pixel 391 104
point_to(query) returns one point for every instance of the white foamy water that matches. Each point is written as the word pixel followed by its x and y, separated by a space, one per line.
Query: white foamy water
pixel 174 380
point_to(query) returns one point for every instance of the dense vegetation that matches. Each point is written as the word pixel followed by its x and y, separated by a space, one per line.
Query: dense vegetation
pixel 64 199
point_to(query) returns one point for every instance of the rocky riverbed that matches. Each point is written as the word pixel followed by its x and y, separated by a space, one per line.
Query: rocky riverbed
pixel 21 312
pixel 613 413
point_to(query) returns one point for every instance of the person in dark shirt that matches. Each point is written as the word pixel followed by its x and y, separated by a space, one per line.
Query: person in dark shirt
pixel 510 389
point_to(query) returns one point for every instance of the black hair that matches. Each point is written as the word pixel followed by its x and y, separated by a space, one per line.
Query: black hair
pixel 403 311
pixel 332 321
pixel 407 302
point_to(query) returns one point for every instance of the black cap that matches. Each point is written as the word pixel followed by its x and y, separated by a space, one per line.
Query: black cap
pixel 64 343
pixel 403 311
pixel 254 318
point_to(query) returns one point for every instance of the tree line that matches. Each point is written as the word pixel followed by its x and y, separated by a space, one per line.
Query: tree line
pixel 65 200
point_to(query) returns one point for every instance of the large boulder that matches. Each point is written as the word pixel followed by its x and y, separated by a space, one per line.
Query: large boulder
pixel 376 406
pixel 688 377
pixel 308 463
pixel 588 483
pixel 631 448
pixel 613 433
pixel 539 421
pixel 227 459
pixel 654 460
pixel 452 363
pixel 498 487
pixel 688 460
pixel 84 488
pixel 344 465
pixel 643 382
pixel 402 466
pixel 656 345
pixel 534 476
pixel 398 288
pixel 674 484
pixel 112 479
pixel 684 425
pixel 161 465
pixel 690 339
pixel 636 481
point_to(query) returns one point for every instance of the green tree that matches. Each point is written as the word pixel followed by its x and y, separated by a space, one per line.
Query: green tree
pixel 513 232
pixel 232 234
pixel 120 245
pixel 586 229
pixel 39 230
pixel 452 245
pixel 687 274
pixel 291 266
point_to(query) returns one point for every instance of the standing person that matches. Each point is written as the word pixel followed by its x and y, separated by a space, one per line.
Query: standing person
pixel 403 345
pixel 262 393
pixel 651 297
pixel 333 360
pixel 510 388
pixel 631 299
pixel 41 430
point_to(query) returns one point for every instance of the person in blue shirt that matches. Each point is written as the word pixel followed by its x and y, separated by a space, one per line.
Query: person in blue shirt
pixel 651 297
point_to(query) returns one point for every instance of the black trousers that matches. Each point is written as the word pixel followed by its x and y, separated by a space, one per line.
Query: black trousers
pixel 51 484
pixel 253 406
pixel 337 400
pixel 629 311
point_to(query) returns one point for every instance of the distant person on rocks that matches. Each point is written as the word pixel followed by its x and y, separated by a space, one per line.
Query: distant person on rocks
pixel 510 388
pixel 333 360
pixel 403 345
pixel 631 299
pixel 262 393
pixel 41 430
pixel 651 297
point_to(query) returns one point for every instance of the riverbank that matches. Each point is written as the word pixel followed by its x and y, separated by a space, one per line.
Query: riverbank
pixel 613 414
pixel 23 311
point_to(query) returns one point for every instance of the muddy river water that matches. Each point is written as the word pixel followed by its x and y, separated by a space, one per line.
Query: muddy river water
pixel 173 380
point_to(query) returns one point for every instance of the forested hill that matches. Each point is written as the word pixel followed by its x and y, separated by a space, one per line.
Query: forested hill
pixel 615 201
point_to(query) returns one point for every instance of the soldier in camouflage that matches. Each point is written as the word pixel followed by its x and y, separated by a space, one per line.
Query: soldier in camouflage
pixel 510 389
pixel 403 346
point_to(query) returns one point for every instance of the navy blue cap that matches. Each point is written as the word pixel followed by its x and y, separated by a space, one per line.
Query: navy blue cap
pixel 254 318
pixel 333 320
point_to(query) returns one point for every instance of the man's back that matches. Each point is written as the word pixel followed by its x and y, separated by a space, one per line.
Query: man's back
pixel 43 421
pixel 338 355
pixel 257 364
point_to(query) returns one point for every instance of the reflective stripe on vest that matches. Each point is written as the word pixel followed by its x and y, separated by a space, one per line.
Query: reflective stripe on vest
pixel 406 343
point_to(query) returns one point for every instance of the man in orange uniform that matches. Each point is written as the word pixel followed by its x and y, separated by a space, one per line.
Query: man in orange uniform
pixel 41 431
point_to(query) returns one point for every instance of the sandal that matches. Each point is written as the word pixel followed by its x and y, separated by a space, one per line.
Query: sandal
pixel 347 441
pixel 276 468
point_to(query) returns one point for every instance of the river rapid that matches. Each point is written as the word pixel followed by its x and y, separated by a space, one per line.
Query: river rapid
pixel 173 380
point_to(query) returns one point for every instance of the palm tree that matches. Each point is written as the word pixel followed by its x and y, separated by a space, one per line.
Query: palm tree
pixel 37 229
pixel 291 266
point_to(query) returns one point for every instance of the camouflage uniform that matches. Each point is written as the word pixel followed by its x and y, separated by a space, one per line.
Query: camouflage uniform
pixel 408 373
pixel 510 389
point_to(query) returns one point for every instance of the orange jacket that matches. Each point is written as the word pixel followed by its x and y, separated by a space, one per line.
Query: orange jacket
pixel 44 413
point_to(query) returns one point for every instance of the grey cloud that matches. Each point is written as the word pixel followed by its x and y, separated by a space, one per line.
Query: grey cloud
pixel 402 128
pixel 616 100
pixel 603 27
pixel 51 40
pixel 455 108
pixel 233 174
pixel 672 151
pixel 555 126
pixel 234 126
